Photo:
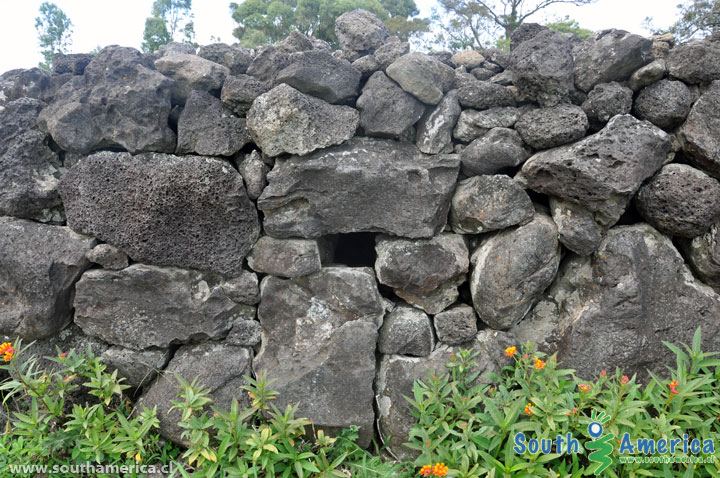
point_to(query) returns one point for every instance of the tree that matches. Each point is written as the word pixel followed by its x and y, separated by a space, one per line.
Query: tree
pixel 698 18
pixel 171 20
pixel 54 29
pixel 269 21
pixel 475 23
pixel 568 25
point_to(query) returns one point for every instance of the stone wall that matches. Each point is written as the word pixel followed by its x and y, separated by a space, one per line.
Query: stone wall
pixel 344 220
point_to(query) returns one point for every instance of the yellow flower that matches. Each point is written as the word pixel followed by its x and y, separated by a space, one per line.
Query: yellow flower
pixel 528 409
pixel 510 351
pixel 138 458
pixel 426 470
pixel 539 364
pixel 440 469
pixel 7 350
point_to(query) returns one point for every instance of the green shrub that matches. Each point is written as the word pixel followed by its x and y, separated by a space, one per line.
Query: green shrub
pixel 470 424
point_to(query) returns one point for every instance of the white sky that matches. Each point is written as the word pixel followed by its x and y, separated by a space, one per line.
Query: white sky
pixel 107 22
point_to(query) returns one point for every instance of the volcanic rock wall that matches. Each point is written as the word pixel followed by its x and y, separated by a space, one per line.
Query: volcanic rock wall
pixel 343 220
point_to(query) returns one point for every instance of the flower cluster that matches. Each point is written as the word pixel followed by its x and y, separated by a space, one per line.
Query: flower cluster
pixel 528 409
pixel 440 469
pixel 510 351
pixel 539 364
pixel 584 387
pixel 7 351
pixel 673 387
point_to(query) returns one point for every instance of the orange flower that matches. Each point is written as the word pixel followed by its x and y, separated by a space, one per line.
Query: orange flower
pixel 539 364
pixel 440 469
pixel 426 470
pixel 673 387
pixel 624 380
pixel 525 356
pixel 510 351
pixel 7 350
pixel 584 387
pixel 528 409
pixel 603 373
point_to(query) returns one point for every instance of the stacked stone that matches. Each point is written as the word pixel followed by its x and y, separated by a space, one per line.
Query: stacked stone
pixel 194 212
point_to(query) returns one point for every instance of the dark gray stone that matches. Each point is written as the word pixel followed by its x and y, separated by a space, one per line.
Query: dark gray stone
pixel 488 203
pixel 254 173
pixel 192 72
pixel 525 32
pixel 239 92
pixel 245 332
pixel 434 131
pixel 699 136
pixel 366 65
pixel 161 209
pixel 30 83
pixel 360 31
pixel 512 269
pixel 482 95
pixel 422 76
pixel 577 227
pixel 406 331
pixel 321 334
pixel 495 151
pixel 39 265
pixel 550 127
pixel 243 289
pixel 603 171
pixel 456 325
pixel 385 109
pixel 138 368
pixel 268 62
pixel 695 62
pixel 665 104
pixel 365 185
pixel 287 257
pixel 606 100
pixel 107 256
pixel 472 124
pixel 389 52
pixel 73 63
pixel 703 254
pixel 319 74
pixel 236 59
pixel 680 201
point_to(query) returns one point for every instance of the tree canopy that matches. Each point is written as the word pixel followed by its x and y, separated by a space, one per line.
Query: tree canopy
pixel 568 25
pixel 171 20
pixel 54 29
pixel 269 21
pixel 698 18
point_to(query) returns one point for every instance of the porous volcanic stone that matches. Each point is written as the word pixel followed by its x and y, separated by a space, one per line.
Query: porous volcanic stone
pixel 482 95
pixel 319 74
pixel 577 227
pixel 422 76
pixel 406 331
pixel 434 131
pixel 695 62
pixel 456 325
pixel 360 31
pixel 239 92
pixel 550 127
pixel 699 133
pixel 287 257
pixel 498 149
pixel 192 72
pixel 472 124
pixel 606 100
pixel 385 109
pixel 665 104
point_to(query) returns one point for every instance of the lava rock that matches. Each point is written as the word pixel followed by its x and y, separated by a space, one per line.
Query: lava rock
pixel 603 171
pixel 695 62
pixel 525 32
pixel 648 74
pixel 606 100
pixel 577 227
pixel 389 52
pixel 245 332
pixel 680 200
pixel 236 59
pixel 703 254
pixel 385 109
pixel 288 257
pixel 434 131
pixel 422 76
pixel 699 136
pixel 207 128
pixel 243 288
pixel 73 63
pixel 366 65
pixel 161 209
pixel 321 334
pixel 39 265
pixel 360 31
pixel 487 203
pixel 498 149
pixel 406 331
pixel 239 92
pixel 457 325
pixel 283 120
pixel 482 95
pixel 468 58
pixel 107 256
pixel 594 65
pixel 319 74
pixel 192 72
pixel 550 127
pixel 472 124
pixel 138 368
pixel 665 103
pixel 31 83
pixel 254 173
pixel 512 269
pixel 346 189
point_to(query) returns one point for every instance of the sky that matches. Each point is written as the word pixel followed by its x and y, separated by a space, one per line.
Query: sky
pixel 121 22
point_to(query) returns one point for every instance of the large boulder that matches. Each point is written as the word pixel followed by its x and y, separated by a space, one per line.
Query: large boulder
pixel 320 334
pixel 434 131
pixel 424 77
pixel 187 211
pixel 680 201
pixel 603 171
pixel 283 120
pixel 495 151
pixel 550 127
pixel 424 272
pixel 542 68
pixel 665 104
pixel 219 368
pixel 31 83
pixel 29 168
pixel 695 62
pixel 147 306
pixel 385 109
pixel 699 136
pixel 483 95
pixel 606 100
pixel 594 64
pixel 207 128
pixel 118 103
pixel 615 308
pixel 192 72
pixel 512 269
pixel 39 265
pixel 365 185
pixel 237 59
pixel 360 31
pixel 239 92
pixel 318 73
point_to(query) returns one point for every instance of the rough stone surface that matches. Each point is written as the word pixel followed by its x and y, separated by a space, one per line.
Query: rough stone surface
pixel 606 100
pixel 366 65
pixel 385 109
pixel 319 74
pixel 118 102
pixel 192 72
pixel 243 289
pixel 487 203
pixel 220 369
pixel 695 62
pixel 406 331
pixel 434 131
pixel 634 290
pixel 245 332
pixel 160 209
pixel 283 120
pixel 39 265
pixel 107 256
pixel 665 104
pixel 31 83
pixel 389 52
pixel 495 151
pixel 236 59
pixel 603 171
pixel 542 68
pixel 648 74
pixel 148 306
pixel 239 92
pixel 207 128
pixel 349 189
pixel 512 269
pixel 482 95
pixel 29 168
pixel 680 201
pixel 360 31
pixel 138 368
pixel 699 133
pixel 703 254
pixel 320 334
pixel 456 325
pixel 577 227
pixel 422 76
pixel 397 374
pixel 472 124
pixel 287 257
pixel 550 127
pixel 73 63
pixel 594 65
pixel 468 58
pixel 254 173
